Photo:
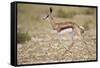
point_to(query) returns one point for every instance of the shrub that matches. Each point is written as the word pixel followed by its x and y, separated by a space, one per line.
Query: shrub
pixel 89 11
pixel 65 14
pixel 22 37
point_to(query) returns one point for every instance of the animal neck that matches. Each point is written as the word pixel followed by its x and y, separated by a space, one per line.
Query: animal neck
pixel 52 22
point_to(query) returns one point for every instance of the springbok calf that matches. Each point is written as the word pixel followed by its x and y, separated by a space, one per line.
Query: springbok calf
pixel 60 26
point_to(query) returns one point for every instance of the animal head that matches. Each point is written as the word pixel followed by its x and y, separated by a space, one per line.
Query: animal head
pixel 50 12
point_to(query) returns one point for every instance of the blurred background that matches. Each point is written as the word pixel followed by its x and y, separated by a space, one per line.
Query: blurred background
pixel 39 43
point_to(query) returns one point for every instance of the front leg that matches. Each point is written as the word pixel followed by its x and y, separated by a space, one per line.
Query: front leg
pixel 72 44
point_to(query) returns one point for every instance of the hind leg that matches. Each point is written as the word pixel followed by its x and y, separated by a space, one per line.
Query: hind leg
pixel 86 45
pixel 71 45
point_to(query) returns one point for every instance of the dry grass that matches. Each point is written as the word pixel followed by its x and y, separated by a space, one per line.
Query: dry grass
pixel 46 45
pixel 49 47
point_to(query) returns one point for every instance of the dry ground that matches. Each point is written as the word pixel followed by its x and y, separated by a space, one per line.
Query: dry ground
pixel 49 47
pixel 46 45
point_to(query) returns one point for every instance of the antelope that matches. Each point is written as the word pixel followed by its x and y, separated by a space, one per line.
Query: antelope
pixel 59 27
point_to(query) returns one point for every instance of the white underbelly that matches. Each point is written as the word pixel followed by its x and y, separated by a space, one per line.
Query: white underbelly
pixel 69 30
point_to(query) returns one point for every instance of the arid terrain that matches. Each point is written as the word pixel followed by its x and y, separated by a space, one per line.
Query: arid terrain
pixel 39 43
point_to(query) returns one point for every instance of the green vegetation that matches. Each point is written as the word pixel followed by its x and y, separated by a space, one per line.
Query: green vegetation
pixel 22 37
pixel 89 11
pixel 65 14
pixel 69 12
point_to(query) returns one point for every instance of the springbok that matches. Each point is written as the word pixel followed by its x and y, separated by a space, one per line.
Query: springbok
pixel 60 26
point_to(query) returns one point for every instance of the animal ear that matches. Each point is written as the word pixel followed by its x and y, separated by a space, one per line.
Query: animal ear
pixel 50 9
